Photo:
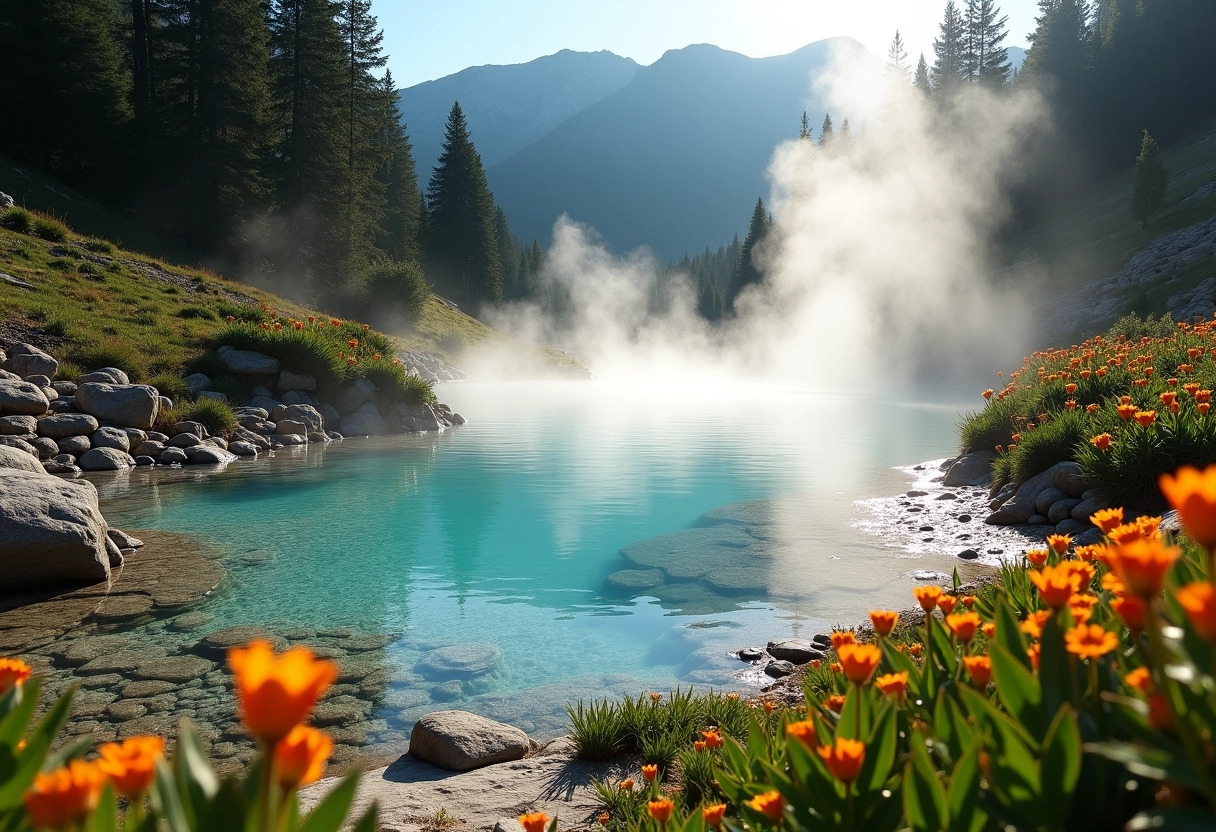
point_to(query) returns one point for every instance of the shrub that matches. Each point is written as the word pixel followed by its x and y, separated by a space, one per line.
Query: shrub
pixel 216 416
pixel 49 228
pixel 240 312
pixel 98 246
pixel 1054 441
pixel 1132 327
pixel 397 289
pixel 595 729
pixel 16 218
pixel 90 270
pixel 172 386
pixel 208 363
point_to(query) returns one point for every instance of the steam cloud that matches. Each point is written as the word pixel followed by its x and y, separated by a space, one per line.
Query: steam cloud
pixel 877 268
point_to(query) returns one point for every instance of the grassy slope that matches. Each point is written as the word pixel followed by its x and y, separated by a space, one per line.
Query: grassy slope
pixel 1097 238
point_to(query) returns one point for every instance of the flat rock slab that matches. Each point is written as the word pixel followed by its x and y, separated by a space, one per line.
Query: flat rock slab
pixel 410 791
pixel 461 660
pixel 174 669
pixel 636 578
pixel 220 641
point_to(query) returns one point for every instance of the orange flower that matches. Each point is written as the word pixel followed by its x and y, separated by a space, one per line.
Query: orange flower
pixel 1107 519
pixel 656 698
pixel 1101 441
pixel 65 795
pixel 1139 679
pixel 1159 715
pixel 534 821
pixel 1131 609
pixel 1081 607
pixel 968 601
pixel 1126 411
pixel 964 625
pixel 713 813
pixel 712 738
pixel 1033 652
pixel 1091 408
pixel 604 818
pixel 650 772
pixel 844 759
pixel 884 621
pixel 698 746
pixel 835 702
pixel 916 650
pixel 927 596
pixel 946 604
pixel 1059 543
pixel 859 661
pixel 1203 396
pixel 1198 601
pixel 131 766
pixel 1083 571
pixel 893 684
pixel 1144 418
pixel 1142 564
pixel 276 693
pixel 353 343
pixel 768 707
pixel 312 319
pixel 299 758
pixel 1090 641
pixel 1193 494
pixel 335 322
pixel 13 673
pixel 1203 408
pixel 1037 557
pixel 626 785
pixel 803 731
pixel 659 809
pixel 987 394
pixel 836 667
pixel 230 318
pixel 979 668
pixel 769 804
pixel 1070 388
pixel 988 629
pixel 1056 585
pixel 1168 397
pixel 841 638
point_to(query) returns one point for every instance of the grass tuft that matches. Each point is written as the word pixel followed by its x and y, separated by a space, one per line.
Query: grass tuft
pixel 49 228
pixel 16 218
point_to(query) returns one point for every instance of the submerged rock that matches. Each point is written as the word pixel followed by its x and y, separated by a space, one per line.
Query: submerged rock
pixel 461 660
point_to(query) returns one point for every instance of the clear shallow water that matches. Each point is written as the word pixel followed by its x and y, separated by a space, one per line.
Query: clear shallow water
pixel 504 531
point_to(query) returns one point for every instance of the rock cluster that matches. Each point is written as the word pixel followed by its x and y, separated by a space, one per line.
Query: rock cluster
pixel 1059 497
pixel 780 658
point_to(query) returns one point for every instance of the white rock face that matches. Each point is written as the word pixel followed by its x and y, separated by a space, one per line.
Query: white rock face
pixel 51 531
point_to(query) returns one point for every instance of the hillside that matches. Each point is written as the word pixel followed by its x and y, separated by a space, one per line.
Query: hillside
pixel 509 107
pixel 676 159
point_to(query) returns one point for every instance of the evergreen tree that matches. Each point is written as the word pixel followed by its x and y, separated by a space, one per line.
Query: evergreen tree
pixel 1148 192
pixel 461 243
pixel 846 132
pixel 897 57
pixel 746 272
pixel 400 224
pixel 826 131
pixel 536 258
pixel 985 59
pixel 805 131
pixel 949 49
pixel 921 80
pixel 1059 45
pixel 506 246
pixel 308 64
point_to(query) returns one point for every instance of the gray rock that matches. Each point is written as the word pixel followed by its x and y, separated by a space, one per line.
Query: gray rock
pixel 778 669
pixel 461 741
pixel 197 428
pixel 425 418
pixel 364 421
pixel 51 531
pixel 41 381
pixel 1047 498
pixel 143 460
pixel 264 403
pixel 249 437
pixel 208 455
pixel 105 459
pixel 1068 526
pixel 970 469
pixel 218 441
pixel 106 375
pixel 457 419
pixel 172 456
pixel 18 425
pixel 74 445
pixel 1088 537
pixel 1020 507
pixel 64 405
pixel 197 383
pixel 751 654
pixel 184 440
pixel 110 438
pixel 461 660
pixel 288 440
pixel 164 404
pixel 211 394
pixel 334 436
pixel 1038 520
pixel 635 579
pixel 249 363
pixel 243 448
pixel 448 691
pixel 307 414
pixel 19 444
pixel 22 398
pixel 291 427
pixel 64 387
pixel 794 650
pixel 134 405
pixel 319 438
pixel 27 360
pixel 1069 478
pixel 12 459
pixel 123 540
pixel 355 396
pixel 67 424
pixel 150 448
pixel 135 436
pixel 1086 508
pixel 293 381
pixel 1061 510
pixel 53 466
pixel 968 554
pixel 46 448
pixel 65 459
pixel 330 415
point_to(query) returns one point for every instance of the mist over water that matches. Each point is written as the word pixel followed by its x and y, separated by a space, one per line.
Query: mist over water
pixel 877 270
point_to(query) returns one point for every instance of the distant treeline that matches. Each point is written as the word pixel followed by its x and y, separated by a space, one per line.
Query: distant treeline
pixel 260 133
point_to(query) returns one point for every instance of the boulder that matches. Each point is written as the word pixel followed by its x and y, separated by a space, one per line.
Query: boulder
pixel 250 438
pixel 22 398
pixel 143 460
pixel 457 419
pixel 208 455
pixel 296 381
pixel 164 404
pixel 218 441
pixel 106 375
pixel 331 416
pixel 1047 498
pixel 74 445
pixel 249 363
pixel 319 438
pixel 12 459
pixel 244 448
pixel 27 360
pixel 172 456
pixel 1070 479
pixel 264 403
pixel 43 382
pixel 1061 510
pixel 1068 526
pixel 291 427
pixel 425 418
pixel 51 531
pixel 18 425
pixel 105 459
pixel 184 440
pixel 54 466
pixel 307 414
pixel 211 394
pixel 46 448
pixel 461 741
pixel 970 469
pixel 111 438
pixel 288 439
pixel 1086 508
pixel 197 428
pixel 365 421
pixel 123 540
pixel 1021 506
pixel 157 436
pixel 67 424
pixel 778 669
pixel 354 397
pixel 65 459
pixel 794 650
pixel 134 405
pixel 197 383
pixel 298 397
pixel 64 405
pixel 18 444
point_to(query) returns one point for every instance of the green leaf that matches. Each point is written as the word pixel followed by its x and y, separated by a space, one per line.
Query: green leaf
pixel 1151 763
pixel 1018 690
pixel 330 813
pixel 165 799
pixel 924 796
pixel 196 782
pixel 880 753
pixel 368 822
pixel 37 744
pixel 1056 671
pixel 1173 818
pixel 104 817
pixel 18 708
pixel 1061 758
pixel 75 749
pixel 1009 633
pixel 225 811
pixel 964 792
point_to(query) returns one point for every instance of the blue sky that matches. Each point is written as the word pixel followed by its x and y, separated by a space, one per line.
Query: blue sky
pixel 430 40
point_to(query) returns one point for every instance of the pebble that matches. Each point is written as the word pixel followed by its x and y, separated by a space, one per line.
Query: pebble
pixel 968 554
pixel 918 493
pixel 964 518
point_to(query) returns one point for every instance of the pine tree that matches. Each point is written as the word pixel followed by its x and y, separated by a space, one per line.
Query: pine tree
pixel 921 81
pixel 846 132
pixel 400 224
pixel 985 59
pixel 897 57
pixel 310 82
pixel 746 272
pixel 804 132
pixel 826 131
pixel 506 246
pixel 1059 45
pixel 1148 192
pixel 461 244
pixel 949 48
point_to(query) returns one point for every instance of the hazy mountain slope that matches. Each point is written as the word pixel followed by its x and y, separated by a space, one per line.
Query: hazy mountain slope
pixel 509 107
pixel 676 159
pixel 1017 56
